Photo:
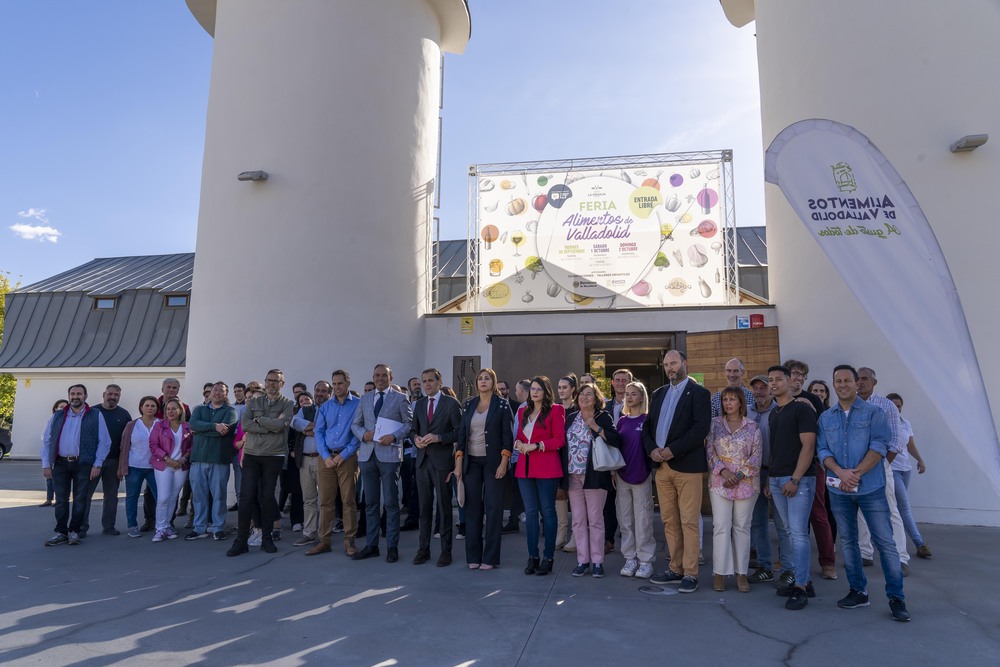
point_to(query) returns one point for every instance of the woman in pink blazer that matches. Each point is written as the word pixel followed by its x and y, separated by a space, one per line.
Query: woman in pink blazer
pixel 170 451
pixel 541 434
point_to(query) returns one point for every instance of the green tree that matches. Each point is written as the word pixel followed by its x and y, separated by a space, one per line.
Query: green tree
pixel 7 383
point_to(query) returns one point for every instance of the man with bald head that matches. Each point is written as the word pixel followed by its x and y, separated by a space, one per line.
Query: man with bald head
pixel 680 415
pixel 735 370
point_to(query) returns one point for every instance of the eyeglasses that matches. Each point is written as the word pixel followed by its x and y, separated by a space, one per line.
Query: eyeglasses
pixel 271 380
pixel 799 374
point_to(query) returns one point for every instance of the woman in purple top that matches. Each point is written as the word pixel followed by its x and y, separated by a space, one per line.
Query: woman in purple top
pixel 634 502
pixel 733 447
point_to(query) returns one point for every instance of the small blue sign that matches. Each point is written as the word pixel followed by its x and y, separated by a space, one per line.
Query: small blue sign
pixel 742 321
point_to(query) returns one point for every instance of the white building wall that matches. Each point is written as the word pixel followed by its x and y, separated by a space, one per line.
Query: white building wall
pixel 39 389
pixel 913 77
pixel 324 264
pixel 445 338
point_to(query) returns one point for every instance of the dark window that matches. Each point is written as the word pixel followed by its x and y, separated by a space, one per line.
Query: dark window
pixel 105 304
pixel 176 301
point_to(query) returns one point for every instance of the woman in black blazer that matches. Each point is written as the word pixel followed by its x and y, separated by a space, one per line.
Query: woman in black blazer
pixel 482 458
pixel 588 488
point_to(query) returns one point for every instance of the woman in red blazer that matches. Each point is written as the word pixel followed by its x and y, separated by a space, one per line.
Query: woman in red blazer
pixel 170 452
pixel 541 434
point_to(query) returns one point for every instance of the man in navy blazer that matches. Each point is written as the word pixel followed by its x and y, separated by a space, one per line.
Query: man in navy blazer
pixel 680 416
pixel 380 459
pixel 436 418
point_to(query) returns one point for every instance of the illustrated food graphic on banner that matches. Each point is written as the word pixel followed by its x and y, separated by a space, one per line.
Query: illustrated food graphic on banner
pixel 602 238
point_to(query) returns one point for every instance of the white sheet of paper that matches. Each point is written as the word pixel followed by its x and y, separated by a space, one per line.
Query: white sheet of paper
pixel 386 426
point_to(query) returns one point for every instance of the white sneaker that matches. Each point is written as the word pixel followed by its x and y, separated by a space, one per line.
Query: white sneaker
pixel 159 536
pixel 171 534
pixel 297 528
pixel 645 571
pixel 255 538
pixel 631 565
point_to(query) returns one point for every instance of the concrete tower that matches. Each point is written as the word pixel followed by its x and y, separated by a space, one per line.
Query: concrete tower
pixel 322 265
pixel 913 77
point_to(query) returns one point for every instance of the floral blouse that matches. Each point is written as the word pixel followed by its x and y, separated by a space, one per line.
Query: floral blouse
pixel 578 438
pixel 737 451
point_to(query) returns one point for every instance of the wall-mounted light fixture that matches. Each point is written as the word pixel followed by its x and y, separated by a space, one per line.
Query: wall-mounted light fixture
pixel 969 142
pixel 252 176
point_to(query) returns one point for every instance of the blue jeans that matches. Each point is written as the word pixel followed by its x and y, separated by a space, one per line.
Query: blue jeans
pixel 794 513
pixel 381 479
pixel 208 495
pixel 133 487
pixel 539 495
pixel 902 479
pixel 760 530
pixel 875 509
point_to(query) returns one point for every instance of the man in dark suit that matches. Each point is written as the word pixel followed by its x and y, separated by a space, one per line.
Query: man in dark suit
pixel 380 459
pixel 436 418
pixel 680 415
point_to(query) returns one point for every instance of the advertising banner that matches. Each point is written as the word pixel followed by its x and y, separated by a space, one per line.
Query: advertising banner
pixel 601 238
pixel 871 227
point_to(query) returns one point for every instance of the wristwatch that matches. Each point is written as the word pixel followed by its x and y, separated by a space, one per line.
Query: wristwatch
pixel 793 481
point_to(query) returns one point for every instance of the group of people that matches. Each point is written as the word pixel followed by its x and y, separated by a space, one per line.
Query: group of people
pixel 553 452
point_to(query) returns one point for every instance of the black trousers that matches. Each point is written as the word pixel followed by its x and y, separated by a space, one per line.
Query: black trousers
pixel 70 477
pixel 430 479
pixel 610 516
pixel 291 487
pixel 483 499
pixel 512 497
pixel 411 499
pixel 260 478
pixel 110 484
pixel 149 506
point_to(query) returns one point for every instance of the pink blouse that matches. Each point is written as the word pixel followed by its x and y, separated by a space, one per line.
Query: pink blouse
pixel 737 451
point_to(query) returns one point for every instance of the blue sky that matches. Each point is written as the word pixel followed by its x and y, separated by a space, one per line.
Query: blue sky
pixel 102 109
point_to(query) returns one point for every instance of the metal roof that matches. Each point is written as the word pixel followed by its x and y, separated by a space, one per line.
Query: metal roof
pixel 110 276
pixel 54 324
pixel 751 251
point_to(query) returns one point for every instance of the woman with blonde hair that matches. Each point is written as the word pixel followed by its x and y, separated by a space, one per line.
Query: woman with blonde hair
pixel 170 451
pixel 634 500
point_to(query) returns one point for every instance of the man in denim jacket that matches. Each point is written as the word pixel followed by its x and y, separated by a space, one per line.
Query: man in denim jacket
pixel 854 437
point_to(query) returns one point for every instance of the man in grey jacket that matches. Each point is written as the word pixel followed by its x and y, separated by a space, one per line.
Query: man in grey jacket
pixel 265 421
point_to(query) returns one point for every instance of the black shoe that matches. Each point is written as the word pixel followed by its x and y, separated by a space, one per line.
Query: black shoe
pixel 367 552
pixel 81 533
pixel 409 526
pixel 853 600
pixel 219 536
pixel 146 527
pixel 898 609
pixel 760 575
pixel 798 600
pixel 391 555
pixel 195 535
pixel 785 579
pixel 276 535
pixel 239 547
pixel 268 546
pixel 544 567
pixel 688 585
pixel 581 569
pixel 668 577
pixel 423 555
pixel 867 562
pixel 460 533
pixel 511 527
pixel 444 560
pixel 786 591
pixel 111 531
pixel 532 566
pixel 235 507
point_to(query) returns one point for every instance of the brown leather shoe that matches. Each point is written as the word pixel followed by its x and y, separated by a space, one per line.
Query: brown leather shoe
pixel 720 582
pixel 829 572
pixel 320 548
pixel 350 549
pixel 742 585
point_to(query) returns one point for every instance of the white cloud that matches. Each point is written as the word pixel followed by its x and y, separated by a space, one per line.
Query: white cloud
pixel 32 232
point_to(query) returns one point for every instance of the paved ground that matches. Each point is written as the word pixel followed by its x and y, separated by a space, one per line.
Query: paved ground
pixel 113 600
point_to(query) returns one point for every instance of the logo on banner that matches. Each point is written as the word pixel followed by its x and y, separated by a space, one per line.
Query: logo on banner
pixel 843 177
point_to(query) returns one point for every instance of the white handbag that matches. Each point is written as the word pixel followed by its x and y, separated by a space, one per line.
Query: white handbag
pixel 605 458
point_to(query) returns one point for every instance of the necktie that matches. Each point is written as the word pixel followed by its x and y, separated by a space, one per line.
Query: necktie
pixel 430 411
pixel 379 402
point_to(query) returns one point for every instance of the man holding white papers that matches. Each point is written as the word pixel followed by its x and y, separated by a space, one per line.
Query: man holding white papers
pixel 380 459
